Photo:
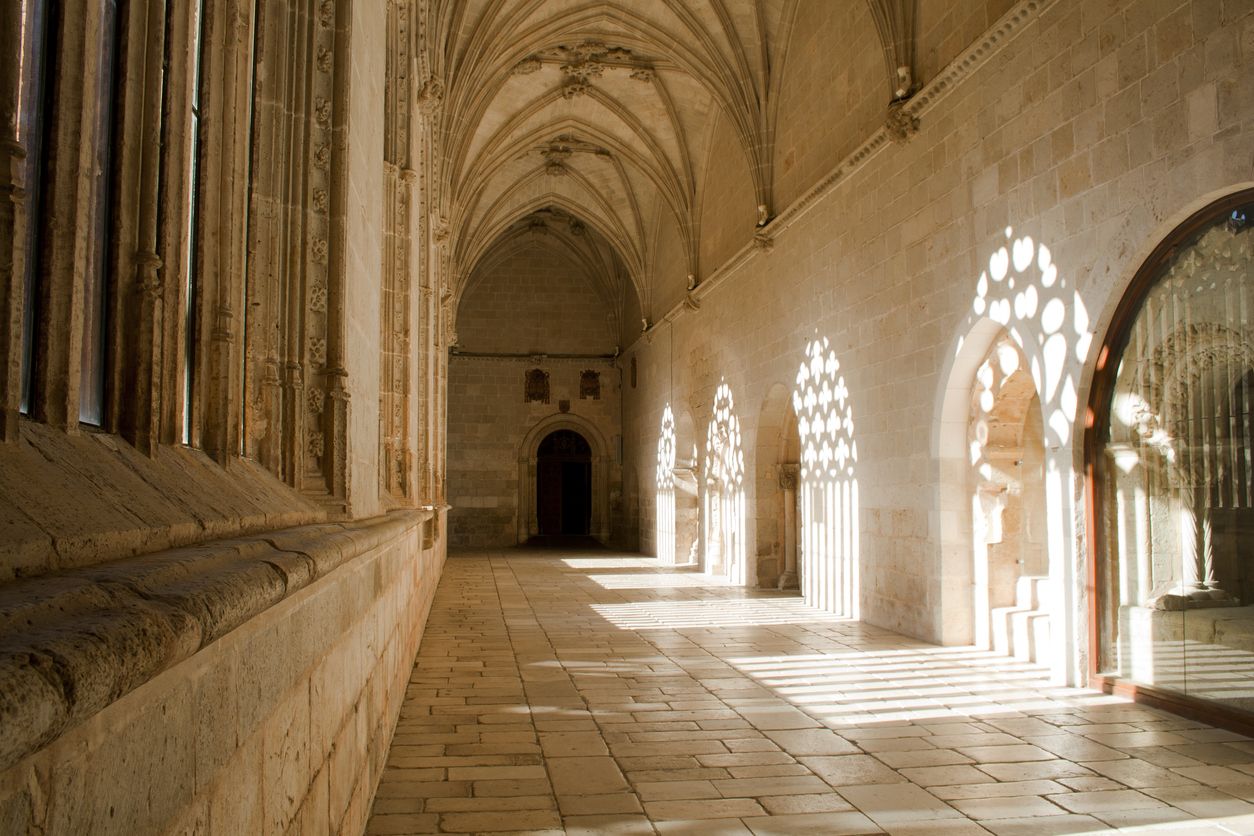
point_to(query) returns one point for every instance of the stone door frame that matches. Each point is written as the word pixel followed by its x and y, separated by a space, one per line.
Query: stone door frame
pixel 528 519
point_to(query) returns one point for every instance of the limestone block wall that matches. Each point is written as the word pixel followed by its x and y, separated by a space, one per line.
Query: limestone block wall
pixel 279 725
pixel 488 422
pixel 1078 133
pixel 532 309
pixel 535 302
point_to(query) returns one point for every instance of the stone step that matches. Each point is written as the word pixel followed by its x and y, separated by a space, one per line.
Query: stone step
pixel 1022 631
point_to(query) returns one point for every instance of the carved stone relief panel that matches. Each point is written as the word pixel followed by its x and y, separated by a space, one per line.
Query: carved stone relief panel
pixel 537 386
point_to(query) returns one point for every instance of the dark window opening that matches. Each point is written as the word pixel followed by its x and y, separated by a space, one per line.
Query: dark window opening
pixel 32 109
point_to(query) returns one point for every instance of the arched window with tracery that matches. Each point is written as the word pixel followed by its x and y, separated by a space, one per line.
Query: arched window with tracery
pixel 1171 454
pixel 665 520
pixel 724 491
pixel 829 489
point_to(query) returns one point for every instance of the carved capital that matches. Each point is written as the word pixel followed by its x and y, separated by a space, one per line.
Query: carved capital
pixel 148 274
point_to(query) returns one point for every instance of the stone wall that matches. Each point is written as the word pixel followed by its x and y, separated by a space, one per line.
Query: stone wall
pixel 279 725
pixel 211 597
pixel 536 302
pixel 539 304
pixel 488 422
pixel 1090 129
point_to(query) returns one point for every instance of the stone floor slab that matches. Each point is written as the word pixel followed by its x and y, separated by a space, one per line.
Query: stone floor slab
pixel 546 700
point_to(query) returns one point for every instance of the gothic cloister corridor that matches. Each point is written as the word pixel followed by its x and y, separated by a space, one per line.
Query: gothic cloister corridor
pixel 616 416
pixel 600 693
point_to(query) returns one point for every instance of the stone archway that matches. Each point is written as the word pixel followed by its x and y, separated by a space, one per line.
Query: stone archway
pixel 528 457
pixel 1005 483
pixel 687 493
pixel 999 588
pixel 777 454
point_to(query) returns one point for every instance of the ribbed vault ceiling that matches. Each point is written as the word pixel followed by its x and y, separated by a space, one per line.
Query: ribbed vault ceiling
pixel 603 113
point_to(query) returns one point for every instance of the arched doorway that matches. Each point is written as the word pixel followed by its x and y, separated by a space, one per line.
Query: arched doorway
pixel 686 493
pixel 1005 482
pixel 564 484
pixel 777 458
pixel 724 494
pixel 529 475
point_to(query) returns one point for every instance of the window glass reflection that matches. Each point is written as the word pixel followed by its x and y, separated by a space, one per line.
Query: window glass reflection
pixel 1176 477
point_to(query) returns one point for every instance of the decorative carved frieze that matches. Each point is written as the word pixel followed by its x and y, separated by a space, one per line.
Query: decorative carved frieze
pixel 582 63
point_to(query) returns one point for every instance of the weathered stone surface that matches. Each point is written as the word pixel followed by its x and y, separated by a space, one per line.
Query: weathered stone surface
pixel 74 643
pixel 135 503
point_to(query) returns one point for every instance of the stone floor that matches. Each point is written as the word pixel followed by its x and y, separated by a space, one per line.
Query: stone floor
pixel 597 693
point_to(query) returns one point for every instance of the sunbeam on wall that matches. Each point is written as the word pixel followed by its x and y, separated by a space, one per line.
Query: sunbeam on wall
pixel 829 487
pixel 665 520
pixel 1024 299
pixel 724 505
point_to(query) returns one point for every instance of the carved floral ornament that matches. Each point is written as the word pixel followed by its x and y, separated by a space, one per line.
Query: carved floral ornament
pixel 582 63
pixel 900 123
pixel 561 148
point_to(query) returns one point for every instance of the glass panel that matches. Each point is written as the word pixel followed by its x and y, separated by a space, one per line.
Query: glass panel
pixel 1175 475
pixel 91 375
pixel 30 112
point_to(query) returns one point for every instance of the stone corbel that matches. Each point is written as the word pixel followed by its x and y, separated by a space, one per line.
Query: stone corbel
pixel 789 476
pixel 900 123
pixel 431 97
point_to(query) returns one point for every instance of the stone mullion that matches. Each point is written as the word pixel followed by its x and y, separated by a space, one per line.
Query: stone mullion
pixel 388 267
pixel 223 188
pixel 14 224
pixel 327 453
pixel 277 394
pixel 175 239
pixel 302 200
pixel 139 273
pixel 422 304
pixel 312 291
pixel 391 390
pixel 270 214
pixel 70 139
pixel 396 473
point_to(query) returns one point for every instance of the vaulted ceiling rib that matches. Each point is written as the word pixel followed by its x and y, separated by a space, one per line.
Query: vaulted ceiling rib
pixel 602 111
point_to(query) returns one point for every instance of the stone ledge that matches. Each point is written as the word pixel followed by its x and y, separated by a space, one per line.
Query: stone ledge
pixel 71 643
pixel 68 501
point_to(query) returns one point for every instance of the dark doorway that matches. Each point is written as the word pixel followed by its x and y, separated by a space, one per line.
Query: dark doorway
pixel 564 484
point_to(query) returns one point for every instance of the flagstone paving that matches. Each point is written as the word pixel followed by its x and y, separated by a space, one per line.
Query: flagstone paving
pixel 588 692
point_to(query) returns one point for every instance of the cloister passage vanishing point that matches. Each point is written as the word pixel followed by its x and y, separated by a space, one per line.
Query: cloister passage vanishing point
pixel 626 416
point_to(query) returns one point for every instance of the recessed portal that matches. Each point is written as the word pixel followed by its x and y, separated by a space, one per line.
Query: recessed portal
pixel 1007 477
pixel 564 484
